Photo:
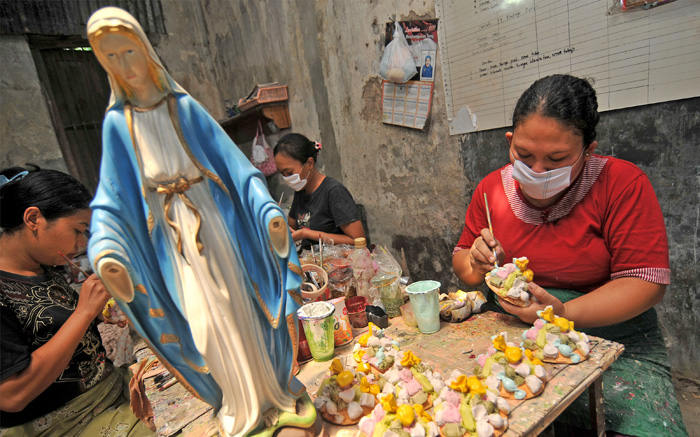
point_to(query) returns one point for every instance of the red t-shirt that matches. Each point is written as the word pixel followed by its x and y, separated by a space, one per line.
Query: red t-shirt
pixel 607 225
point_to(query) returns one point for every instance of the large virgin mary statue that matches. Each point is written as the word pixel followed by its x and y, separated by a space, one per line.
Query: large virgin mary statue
pixel 188 240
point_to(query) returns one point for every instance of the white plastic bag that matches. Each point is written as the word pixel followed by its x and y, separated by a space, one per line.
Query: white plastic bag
pixel 397 63
pixel 262 156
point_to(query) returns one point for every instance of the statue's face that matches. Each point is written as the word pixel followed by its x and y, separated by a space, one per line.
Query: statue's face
pixel 126 59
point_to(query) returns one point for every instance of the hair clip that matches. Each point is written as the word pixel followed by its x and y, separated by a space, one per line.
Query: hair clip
pixel 317 145
pixel 18 176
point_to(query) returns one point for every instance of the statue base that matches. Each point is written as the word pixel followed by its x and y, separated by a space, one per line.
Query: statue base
pixel 305 423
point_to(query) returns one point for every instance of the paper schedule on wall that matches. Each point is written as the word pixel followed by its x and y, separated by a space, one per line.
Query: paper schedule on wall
pixel 492 50
pixel 406 104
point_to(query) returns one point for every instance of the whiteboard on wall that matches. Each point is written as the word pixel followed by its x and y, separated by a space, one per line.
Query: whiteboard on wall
pixel 492 50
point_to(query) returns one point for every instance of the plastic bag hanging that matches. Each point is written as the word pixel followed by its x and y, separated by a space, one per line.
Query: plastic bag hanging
pixel 397 63
pixel 262 156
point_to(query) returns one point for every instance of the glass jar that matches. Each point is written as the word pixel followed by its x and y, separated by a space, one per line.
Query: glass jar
pixel 389 293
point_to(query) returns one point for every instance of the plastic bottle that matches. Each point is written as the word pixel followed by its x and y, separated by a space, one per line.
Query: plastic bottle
pixel 362 269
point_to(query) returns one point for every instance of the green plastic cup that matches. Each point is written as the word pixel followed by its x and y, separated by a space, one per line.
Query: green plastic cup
pixel 425 303
pixel 318 323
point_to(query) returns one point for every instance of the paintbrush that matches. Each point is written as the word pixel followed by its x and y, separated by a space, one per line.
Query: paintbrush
pixel 168 384
pixel 488 217
pixel 320 248
pixel 281 197
pixel 75 265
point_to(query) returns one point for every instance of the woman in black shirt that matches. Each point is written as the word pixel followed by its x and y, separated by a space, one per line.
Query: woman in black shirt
pixel 54 378
pixel 322 209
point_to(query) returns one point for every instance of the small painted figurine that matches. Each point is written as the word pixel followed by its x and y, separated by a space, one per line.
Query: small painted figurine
pixel 188 240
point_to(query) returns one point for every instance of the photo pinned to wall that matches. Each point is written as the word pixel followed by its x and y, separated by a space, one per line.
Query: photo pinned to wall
pixel 427 67
pixel 422 38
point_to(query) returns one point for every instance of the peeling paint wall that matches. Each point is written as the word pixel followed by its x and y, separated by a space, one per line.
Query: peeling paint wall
pixel 415 185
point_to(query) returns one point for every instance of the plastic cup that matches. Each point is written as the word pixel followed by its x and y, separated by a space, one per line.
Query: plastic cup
pixel 424 300
pixel 342 327
pixel 318 322
pixel 407 313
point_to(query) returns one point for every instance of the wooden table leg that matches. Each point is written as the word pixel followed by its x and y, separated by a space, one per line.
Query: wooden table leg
pixel 597 409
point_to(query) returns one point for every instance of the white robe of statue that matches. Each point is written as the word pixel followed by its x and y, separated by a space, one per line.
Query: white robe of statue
pixel 212 289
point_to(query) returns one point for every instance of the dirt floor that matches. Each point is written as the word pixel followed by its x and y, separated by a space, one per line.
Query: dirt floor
pixel 688 394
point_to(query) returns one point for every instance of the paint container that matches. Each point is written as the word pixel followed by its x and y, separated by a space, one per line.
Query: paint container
pixel 303 351
pixel 356 311
pixel 407 313
pixel 389 292
pixel 317 320
pixel 342 328
pixel 425 303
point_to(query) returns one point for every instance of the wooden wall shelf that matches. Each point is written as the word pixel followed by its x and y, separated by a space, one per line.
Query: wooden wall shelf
pixel 242 127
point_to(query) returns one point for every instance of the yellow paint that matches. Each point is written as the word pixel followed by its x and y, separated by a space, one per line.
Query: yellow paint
pixel 499 343
pixel 409 359
pixel 513 354
pixel 406 414
pixel 531 357
pixel 548 314
pixel 475 385
pixel 522 263
pixel 420 412
pixel 358 355
pixel 364 385
pixel 345 378
pixel 389 403
pixel 562 323
pixel 336 366
pixel 460 384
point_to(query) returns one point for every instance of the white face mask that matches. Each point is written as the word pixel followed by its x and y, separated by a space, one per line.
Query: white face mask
pixel 542 185
pixel 294 181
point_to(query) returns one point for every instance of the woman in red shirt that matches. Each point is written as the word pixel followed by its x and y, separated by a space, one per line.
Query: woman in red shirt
pixel 587 223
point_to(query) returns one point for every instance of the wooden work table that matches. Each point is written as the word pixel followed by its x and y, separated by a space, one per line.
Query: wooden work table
pixel 455 346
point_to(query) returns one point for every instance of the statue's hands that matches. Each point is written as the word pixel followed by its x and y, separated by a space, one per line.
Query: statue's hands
pixel 279 236
pixel 116 279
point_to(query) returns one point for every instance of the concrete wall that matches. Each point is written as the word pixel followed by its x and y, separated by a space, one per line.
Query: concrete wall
pixel 415 185
pixel 26 131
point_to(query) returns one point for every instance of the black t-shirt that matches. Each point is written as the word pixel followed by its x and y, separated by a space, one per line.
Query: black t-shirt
pixel 325 210
pixel 32 309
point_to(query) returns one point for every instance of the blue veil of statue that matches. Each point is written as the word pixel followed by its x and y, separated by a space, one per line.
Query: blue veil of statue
pixel 121 230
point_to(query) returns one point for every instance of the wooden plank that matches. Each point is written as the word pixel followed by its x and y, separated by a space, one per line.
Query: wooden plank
pixel 597 408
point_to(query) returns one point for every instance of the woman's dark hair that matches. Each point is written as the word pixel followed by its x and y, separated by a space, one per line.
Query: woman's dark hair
pixel 570 100
pixel 297 147
pixel 55 193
